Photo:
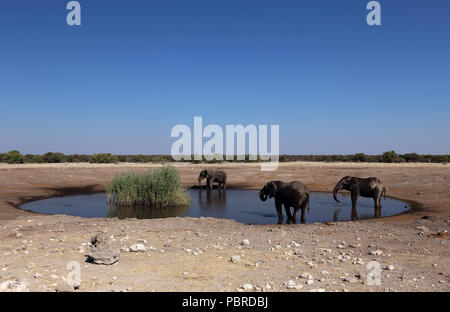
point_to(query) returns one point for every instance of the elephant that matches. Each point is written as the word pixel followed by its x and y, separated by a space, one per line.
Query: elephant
pixel 294 194
pixel 213 176
pixel 369 187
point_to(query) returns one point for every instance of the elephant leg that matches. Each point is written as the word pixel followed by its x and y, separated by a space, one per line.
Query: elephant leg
pixel 288 213
pixel 354 212
pixel 224 185
pixel 378 207
pixel 295 216
pixel 208 181
pixel 279 212
pixel 303 208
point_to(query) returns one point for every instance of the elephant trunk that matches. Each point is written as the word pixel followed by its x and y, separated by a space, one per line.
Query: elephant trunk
pixel 263 196
pixel 337 188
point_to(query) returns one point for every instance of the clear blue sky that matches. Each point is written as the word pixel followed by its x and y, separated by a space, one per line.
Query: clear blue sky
pixel 134 69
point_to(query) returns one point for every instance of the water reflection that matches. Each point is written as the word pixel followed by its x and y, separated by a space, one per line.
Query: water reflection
pixel 212 200
pixel 123 212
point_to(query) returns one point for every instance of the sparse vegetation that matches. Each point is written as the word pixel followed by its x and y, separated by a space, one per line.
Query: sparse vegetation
pixel 103 159
pixel 13 157
pixel 157 188
pixel 54 158
pixel 387 157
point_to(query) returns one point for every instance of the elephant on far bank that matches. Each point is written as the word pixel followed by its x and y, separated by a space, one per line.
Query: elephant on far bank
pixel 294 194
pixel 213 176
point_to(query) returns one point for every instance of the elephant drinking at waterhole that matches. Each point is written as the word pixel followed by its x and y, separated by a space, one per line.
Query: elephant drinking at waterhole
pixel 213 176
pixel 370 188
pixel 294 194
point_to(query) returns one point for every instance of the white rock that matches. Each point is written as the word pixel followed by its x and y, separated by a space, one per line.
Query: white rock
pixel 245 242
pixel 292 285
pixel 389 268
pixel 422 228
pixel 14 286
pixel 235 259
pixel 375 252
pixel 317 290
pixel 306 276
pixel 138 248
pixel 247 286
pixel 309 282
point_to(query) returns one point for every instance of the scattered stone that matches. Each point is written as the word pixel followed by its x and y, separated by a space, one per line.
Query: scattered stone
pixel 375 252
pixel 245 242
pixel 64 287
pixel 349 279
pixel 422 229
pixel 309 282
pixel 292 285
pixel 306 276
pixel 247 286
pixel 235 259
pixel 103 250
pixel 138 248
pixel 124 249
pixel 317 290
pixel 14 286
pixel 389 268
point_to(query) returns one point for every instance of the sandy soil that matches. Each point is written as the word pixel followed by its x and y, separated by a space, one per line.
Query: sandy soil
pixel 187 254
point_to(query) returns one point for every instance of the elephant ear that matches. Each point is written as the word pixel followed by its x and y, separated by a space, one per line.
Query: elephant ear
pixel 353 184
pixel 273 188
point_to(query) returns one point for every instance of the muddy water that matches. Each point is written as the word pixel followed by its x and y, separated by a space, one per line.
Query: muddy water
pixel 241 205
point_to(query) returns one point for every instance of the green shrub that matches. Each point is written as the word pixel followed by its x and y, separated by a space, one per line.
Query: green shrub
pixel 13 157
pixel 54 158
pixel 156 188
pixel 103 159
pixel 390 157
pixel 35 159
pixel 412 157
pixel 360 157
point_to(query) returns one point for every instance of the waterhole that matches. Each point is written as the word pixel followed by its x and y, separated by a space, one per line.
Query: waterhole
pixel 240 205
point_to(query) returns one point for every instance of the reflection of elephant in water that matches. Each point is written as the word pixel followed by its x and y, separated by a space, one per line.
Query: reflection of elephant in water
pixel 213 176
pixel 370 188
pixel 294 194
pixel 216 201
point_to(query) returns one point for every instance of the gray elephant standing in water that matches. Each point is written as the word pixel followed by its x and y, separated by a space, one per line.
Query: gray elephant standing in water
pixel 370 188
pixel 213 176
pixel 294 194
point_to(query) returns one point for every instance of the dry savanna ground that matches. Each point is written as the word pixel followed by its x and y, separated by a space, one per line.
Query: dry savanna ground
pixel 411 251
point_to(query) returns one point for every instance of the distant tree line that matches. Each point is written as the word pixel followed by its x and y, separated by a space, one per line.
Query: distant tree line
pixel 15 157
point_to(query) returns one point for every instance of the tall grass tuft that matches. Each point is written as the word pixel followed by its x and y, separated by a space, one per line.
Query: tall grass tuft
pixel 155 188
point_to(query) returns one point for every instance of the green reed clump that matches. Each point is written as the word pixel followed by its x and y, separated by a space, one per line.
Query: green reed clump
pixel 155 188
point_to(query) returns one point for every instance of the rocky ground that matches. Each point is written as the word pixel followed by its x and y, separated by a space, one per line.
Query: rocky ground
pixel 410 251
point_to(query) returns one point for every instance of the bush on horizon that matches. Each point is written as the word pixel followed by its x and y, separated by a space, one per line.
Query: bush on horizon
pixel 103 158
pixel 54 158
pixel 13 157
pixel 156 188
